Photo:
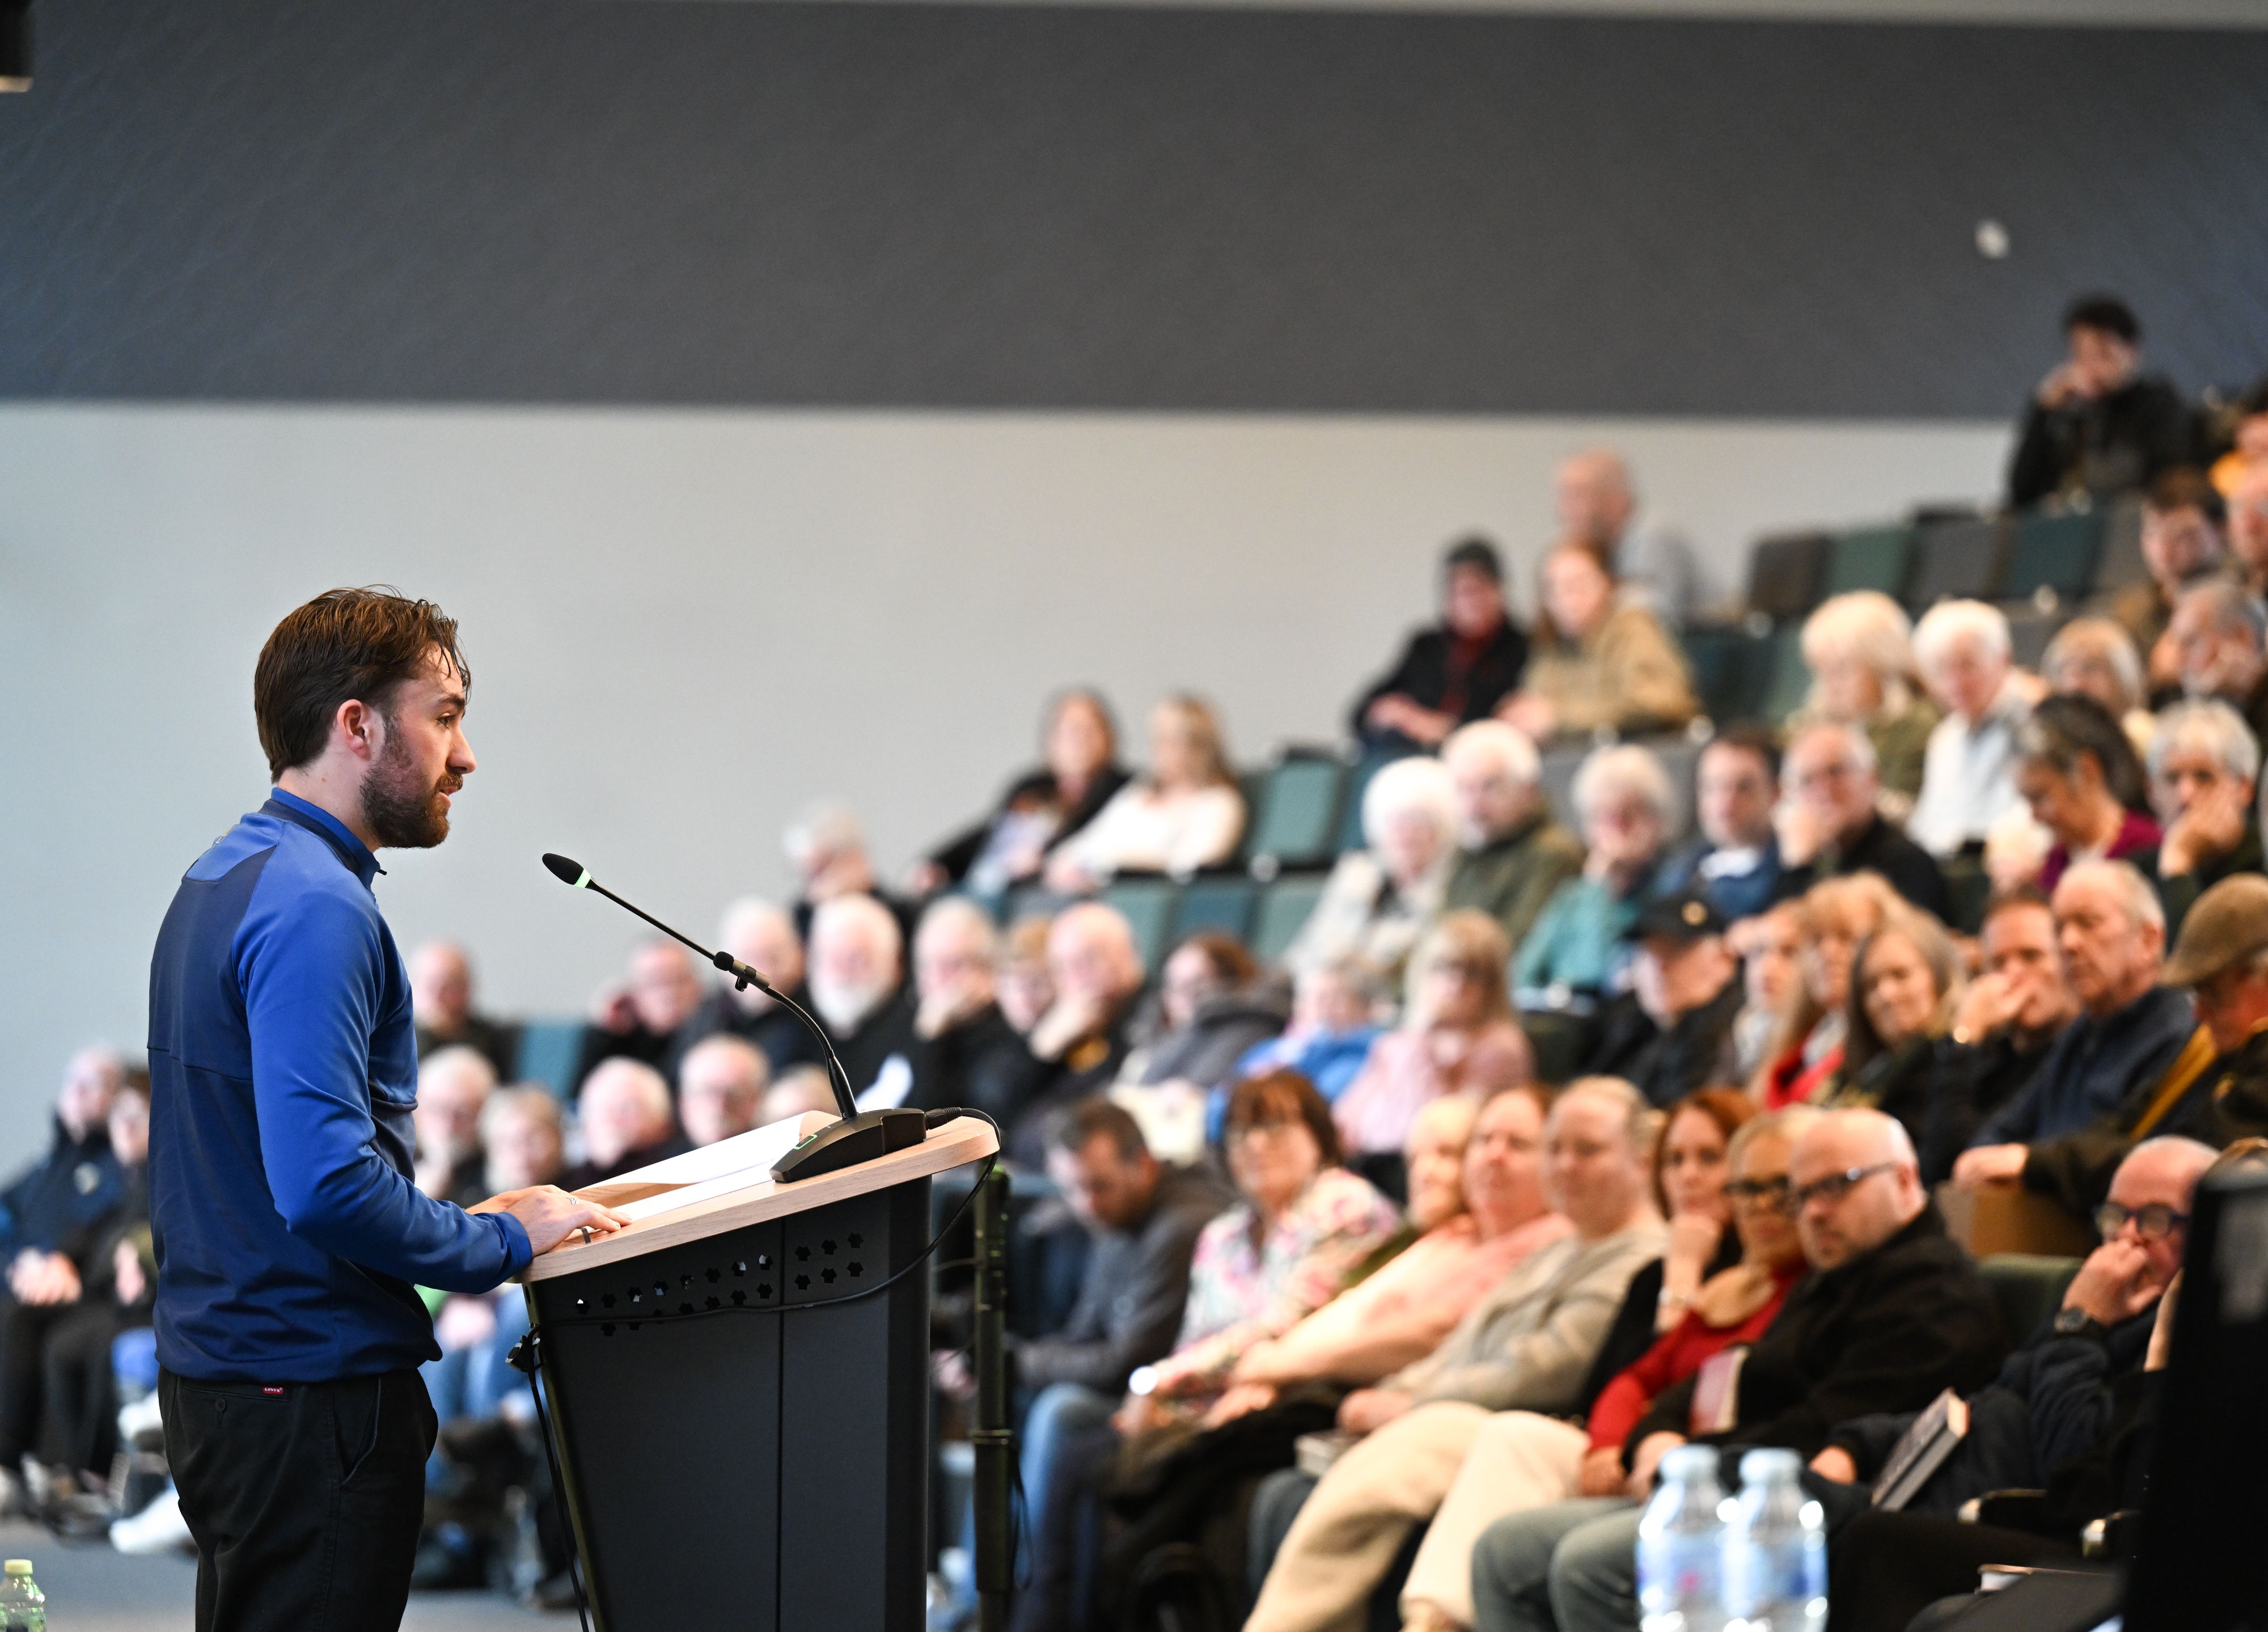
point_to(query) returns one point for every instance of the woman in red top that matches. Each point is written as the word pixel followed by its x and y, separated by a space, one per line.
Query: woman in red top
pixel 1523 1460
pixel 2079 773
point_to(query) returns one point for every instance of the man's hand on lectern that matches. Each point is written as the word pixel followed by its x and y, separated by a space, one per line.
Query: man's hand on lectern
pixel 549 1214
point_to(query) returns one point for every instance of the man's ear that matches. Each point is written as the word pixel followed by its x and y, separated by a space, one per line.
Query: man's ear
pixel 360 727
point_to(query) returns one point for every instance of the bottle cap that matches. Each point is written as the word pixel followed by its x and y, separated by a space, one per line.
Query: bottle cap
pixel 1770 1462
pixel 19 1567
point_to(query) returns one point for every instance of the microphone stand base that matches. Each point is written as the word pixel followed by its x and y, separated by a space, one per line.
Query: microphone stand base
pixel 846 1144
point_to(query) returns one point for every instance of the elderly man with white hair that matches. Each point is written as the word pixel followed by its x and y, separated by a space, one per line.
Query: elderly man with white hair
pixel 721 1089
pixel 827 846
pixel 2205 766
pixel 762 936
pixel 1597 504
pixel 1576 951
pixel 2219 640
pixel 968 1053
pixel 454 1085
pixel 1969 769
pixel 1080 1042
pixel 623 1114
pixel 441 999
pixel 1381 898
pixel 860 993
pixel 1510 854
pixel 1833 825
pixel 2131 1032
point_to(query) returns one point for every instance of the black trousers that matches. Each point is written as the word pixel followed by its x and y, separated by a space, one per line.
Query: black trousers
pixel 1885 1569
pixel 303 1498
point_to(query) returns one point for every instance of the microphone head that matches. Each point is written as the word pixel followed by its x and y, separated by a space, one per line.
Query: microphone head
pixel 569 873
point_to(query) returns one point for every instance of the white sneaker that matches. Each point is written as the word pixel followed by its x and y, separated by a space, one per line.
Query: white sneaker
pixel 15 1501
pixel 132 1418
pixel 158 1528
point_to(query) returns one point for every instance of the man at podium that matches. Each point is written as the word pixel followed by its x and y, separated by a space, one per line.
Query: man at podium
pixel 283 1067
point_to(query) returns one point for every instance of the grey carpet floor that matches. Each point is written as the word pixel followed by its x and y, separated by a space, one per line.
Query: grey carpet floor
pixel 95 1589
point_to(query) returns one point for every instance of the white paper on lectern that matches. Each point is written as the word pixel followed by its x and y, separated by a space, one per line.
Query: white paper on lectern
pixel 730 1165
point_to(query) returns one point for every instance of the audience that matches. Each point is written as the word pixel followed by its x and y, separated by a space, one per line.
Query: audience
pixel 1094 974
pixel 1520 1459
pixel 764 937
pixel 441 997
pixel 1859 649
pixel 2203 766
pixel 1892 1312
pixel 1511 855
pixel 2007 1019
pixel 2248 451
pixel 2097 427
pixel 2248 519
pixel 860 993
pixel 1042 808
pixel 2181 544
pixel 967 1052
pixel 2111 932
pixel 1187 813
pixel 1457 1035
pixel 721 1089
pixel 72 1187
pixel 1380 899
pixel 1967 779
pixel 1525 1345
pixel 1453 672
pixel 2078 772
pixel 1832 918
pixel 1670 1036
pixel 645 1018
pixel 1334 1024
pixel 826 848
pixel 1770 947
pixel 1210 1008
pixel 1573 956
pixel 1906 982
pixel 1832 826
pixel 1597 505
pixel 2095 657
pixel 1735 861
pixel 623 1115
pixel 2218 638
pixel 1021 984
pixel 454 1084
pixel 1601 663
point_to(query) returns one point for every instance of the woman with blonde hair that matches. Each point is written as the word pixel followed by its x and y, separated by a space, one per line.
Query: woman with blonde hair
pixel 1906 982
pixel 1458 1036
pixel 1859 649
pixel 1832 918
pixel 1187 813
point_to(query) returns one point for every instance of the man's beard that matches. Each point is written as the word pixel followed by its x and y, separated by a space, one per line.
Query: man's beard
pixel 846 1007
pixel 403 810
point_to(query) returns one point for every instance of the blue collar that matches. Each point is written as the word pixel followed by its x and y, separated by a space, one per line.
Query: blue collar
pixel 327 827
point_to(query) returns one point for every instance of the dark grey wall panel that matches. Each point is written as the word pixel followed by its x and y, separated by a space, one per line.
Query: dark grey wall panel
pixel 598 200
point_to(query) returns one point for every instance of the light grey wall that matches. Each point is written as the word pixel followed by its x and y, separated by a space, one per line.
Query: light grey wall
pixel 683 625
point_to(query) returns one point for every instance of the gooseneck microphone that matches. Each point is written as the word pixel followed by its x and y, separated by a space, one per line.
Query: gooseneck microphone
pixel 858 1136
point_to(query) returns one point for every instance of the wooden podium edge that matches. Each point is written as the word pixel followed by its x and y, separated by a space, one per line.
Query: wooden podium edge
pixel 958 1142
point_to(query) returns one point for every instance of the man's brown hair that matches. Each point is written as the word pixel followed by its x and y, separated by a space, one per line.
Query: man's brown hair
pixel 345 645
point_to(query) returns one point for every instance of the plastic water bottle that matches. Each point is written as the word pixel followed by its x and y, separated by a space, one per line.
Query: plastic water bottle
pixel 23 1606
pixel 1775 1549
pixel 1680 1546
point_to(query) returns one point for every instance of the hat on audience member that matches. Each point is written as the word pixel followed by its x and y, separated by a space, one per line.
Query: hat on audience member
pixel 2229 922
pixel 1685 918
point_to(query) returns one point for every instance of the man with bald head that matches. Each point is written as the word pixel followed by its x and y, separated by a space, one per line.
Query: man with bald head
pixel 441 999
pixel 1891 1313
pixel 1080 1042
pixel 1597 504
pixel 968 1054
pixel 720 1085
pixel 2111 931
pixel 1831 826
pixel 624 1115
pixel 454 1085
pixel 762 936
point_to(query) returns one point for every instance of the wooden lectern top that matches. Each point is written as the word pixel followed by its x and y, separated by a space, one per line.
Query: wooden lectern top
pixel 959 1141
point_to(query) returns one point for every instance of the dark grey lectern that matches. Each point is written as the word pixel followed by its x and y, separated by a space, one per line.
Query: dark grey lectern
pixel 730 1462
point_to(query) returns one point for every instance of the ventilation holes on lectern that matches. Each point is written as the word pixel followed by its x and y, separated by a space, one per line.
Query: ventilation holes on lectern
pixel 828 1275
pixel 661 1289
pixel 740 1268
pixel 827 1247
pixel 739 1298
pixel 856 1240
pixel 713 1304
pixel 606 1298
pixel 763 1291
pixel 803 1283
pixel 856 1268
pixel 763 1260
pixel 714 1276
pixel 803 1255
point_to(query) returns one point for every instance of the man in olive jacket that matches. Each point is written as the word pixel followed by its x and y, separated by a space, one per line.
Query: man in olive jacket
pixel 1511 855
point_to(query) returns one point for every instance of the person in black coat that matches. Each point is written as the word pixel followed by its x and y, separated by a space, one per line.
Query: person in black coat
pixel 764 937
pixel 1668 1036
pixel 967 1053
pixel 860 993
pixel 646 1017
pixel 2097 426
pixel 1040 808
pixel 1454 672
pixel 1834 827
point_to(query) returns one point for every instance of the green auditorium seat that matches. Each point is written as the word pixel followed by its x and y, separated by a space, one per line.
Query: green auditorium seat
pixel 1297 820
pixel 2053 555
pixel 2120 561
pixel 1284 905
pixel 1787 680
pixel 1148 906
pixel 548 1050
pixel 2028 1286
pixel 1220 904
pixel 1785 574
pixel 1723 658
pixel 1956 558
pixel 1869 558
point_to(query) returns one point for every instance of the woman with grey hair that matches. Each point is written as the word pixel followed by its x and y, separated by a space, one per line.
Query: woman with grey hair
pixel 2205 765
pixel 1573 956
pixel 2095 657
pixel 1380 898
pixel 1859 649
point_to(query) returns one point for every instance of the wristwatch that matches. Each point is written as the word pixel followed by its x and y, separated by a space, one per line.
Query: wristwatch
pixel 2077 1323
